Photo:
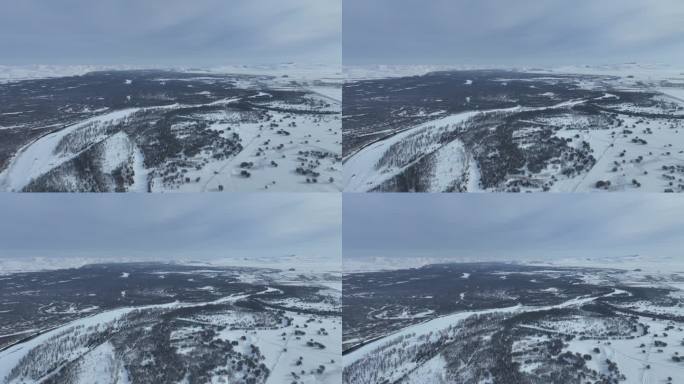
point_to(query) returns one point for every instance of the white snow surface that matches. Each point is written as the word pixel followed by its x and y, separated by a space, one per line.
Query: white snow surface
pixel 10 265
pixel 360 170
pixel 269 342
pixel 300 264
pixel 308 134
pixel 12 73
pixel 431 327
pixel 102 364
pixel 41 156
pixel 363 171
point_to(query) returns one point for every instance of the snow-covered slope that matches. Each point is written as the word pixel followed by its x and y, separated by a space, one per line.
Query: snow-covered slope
pixel 44 154
pixel 555 323
pixel 590 130
pixel 206 326
pixel 166 131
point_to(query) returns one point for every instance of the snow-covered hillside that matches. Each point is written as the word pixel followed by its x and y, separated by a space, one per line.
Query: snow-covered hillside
pixel 160 131
pixel 515 131
pixel 513 324
pixel 152 323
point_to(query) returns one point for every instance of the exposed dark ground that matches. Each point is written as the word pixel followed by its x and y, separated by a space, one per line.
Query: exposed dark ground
pixel 569 310
pixel 174 322
pixel 547 129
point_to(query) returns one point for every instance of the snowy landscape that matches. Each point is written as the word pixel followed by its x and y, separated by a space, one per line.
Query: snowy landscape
pixel 85 129
pixel 170 323
pixel 566 129
pixel 514 323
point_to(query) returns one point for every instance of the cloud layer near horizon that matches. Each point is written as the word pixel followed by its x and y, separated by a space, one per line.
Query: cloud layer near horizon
pixel 170 32
pixel 521 32
pixel 509 227
pixel 167 227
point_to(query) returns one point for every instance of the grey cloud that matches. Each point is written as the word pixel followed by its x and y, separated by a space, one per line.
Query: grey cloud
pixel 183 226
pixel 170 32
pixel 502 32
pixel 512 227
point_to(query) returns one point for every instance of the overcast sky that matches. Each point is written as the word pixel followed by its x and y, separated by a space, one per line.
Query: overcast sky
pixel 519 32
pixel 170 32
pixel 166 227
pixel 509 227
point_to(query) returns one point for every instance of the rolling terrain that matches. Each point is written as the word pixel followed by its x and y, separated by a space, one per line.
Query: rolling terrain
pixel 166 323
pixel 507 323
pixel 166 131
pixel 514 131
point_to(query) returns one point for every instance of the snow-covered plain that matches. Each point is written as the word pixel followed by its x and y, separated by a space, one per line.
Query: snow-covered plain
pixel 296 71
pixel 614 336
pixel 271 132
pixel 271 164
pixel 613 128
pixel 296 340
pixel 14 73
